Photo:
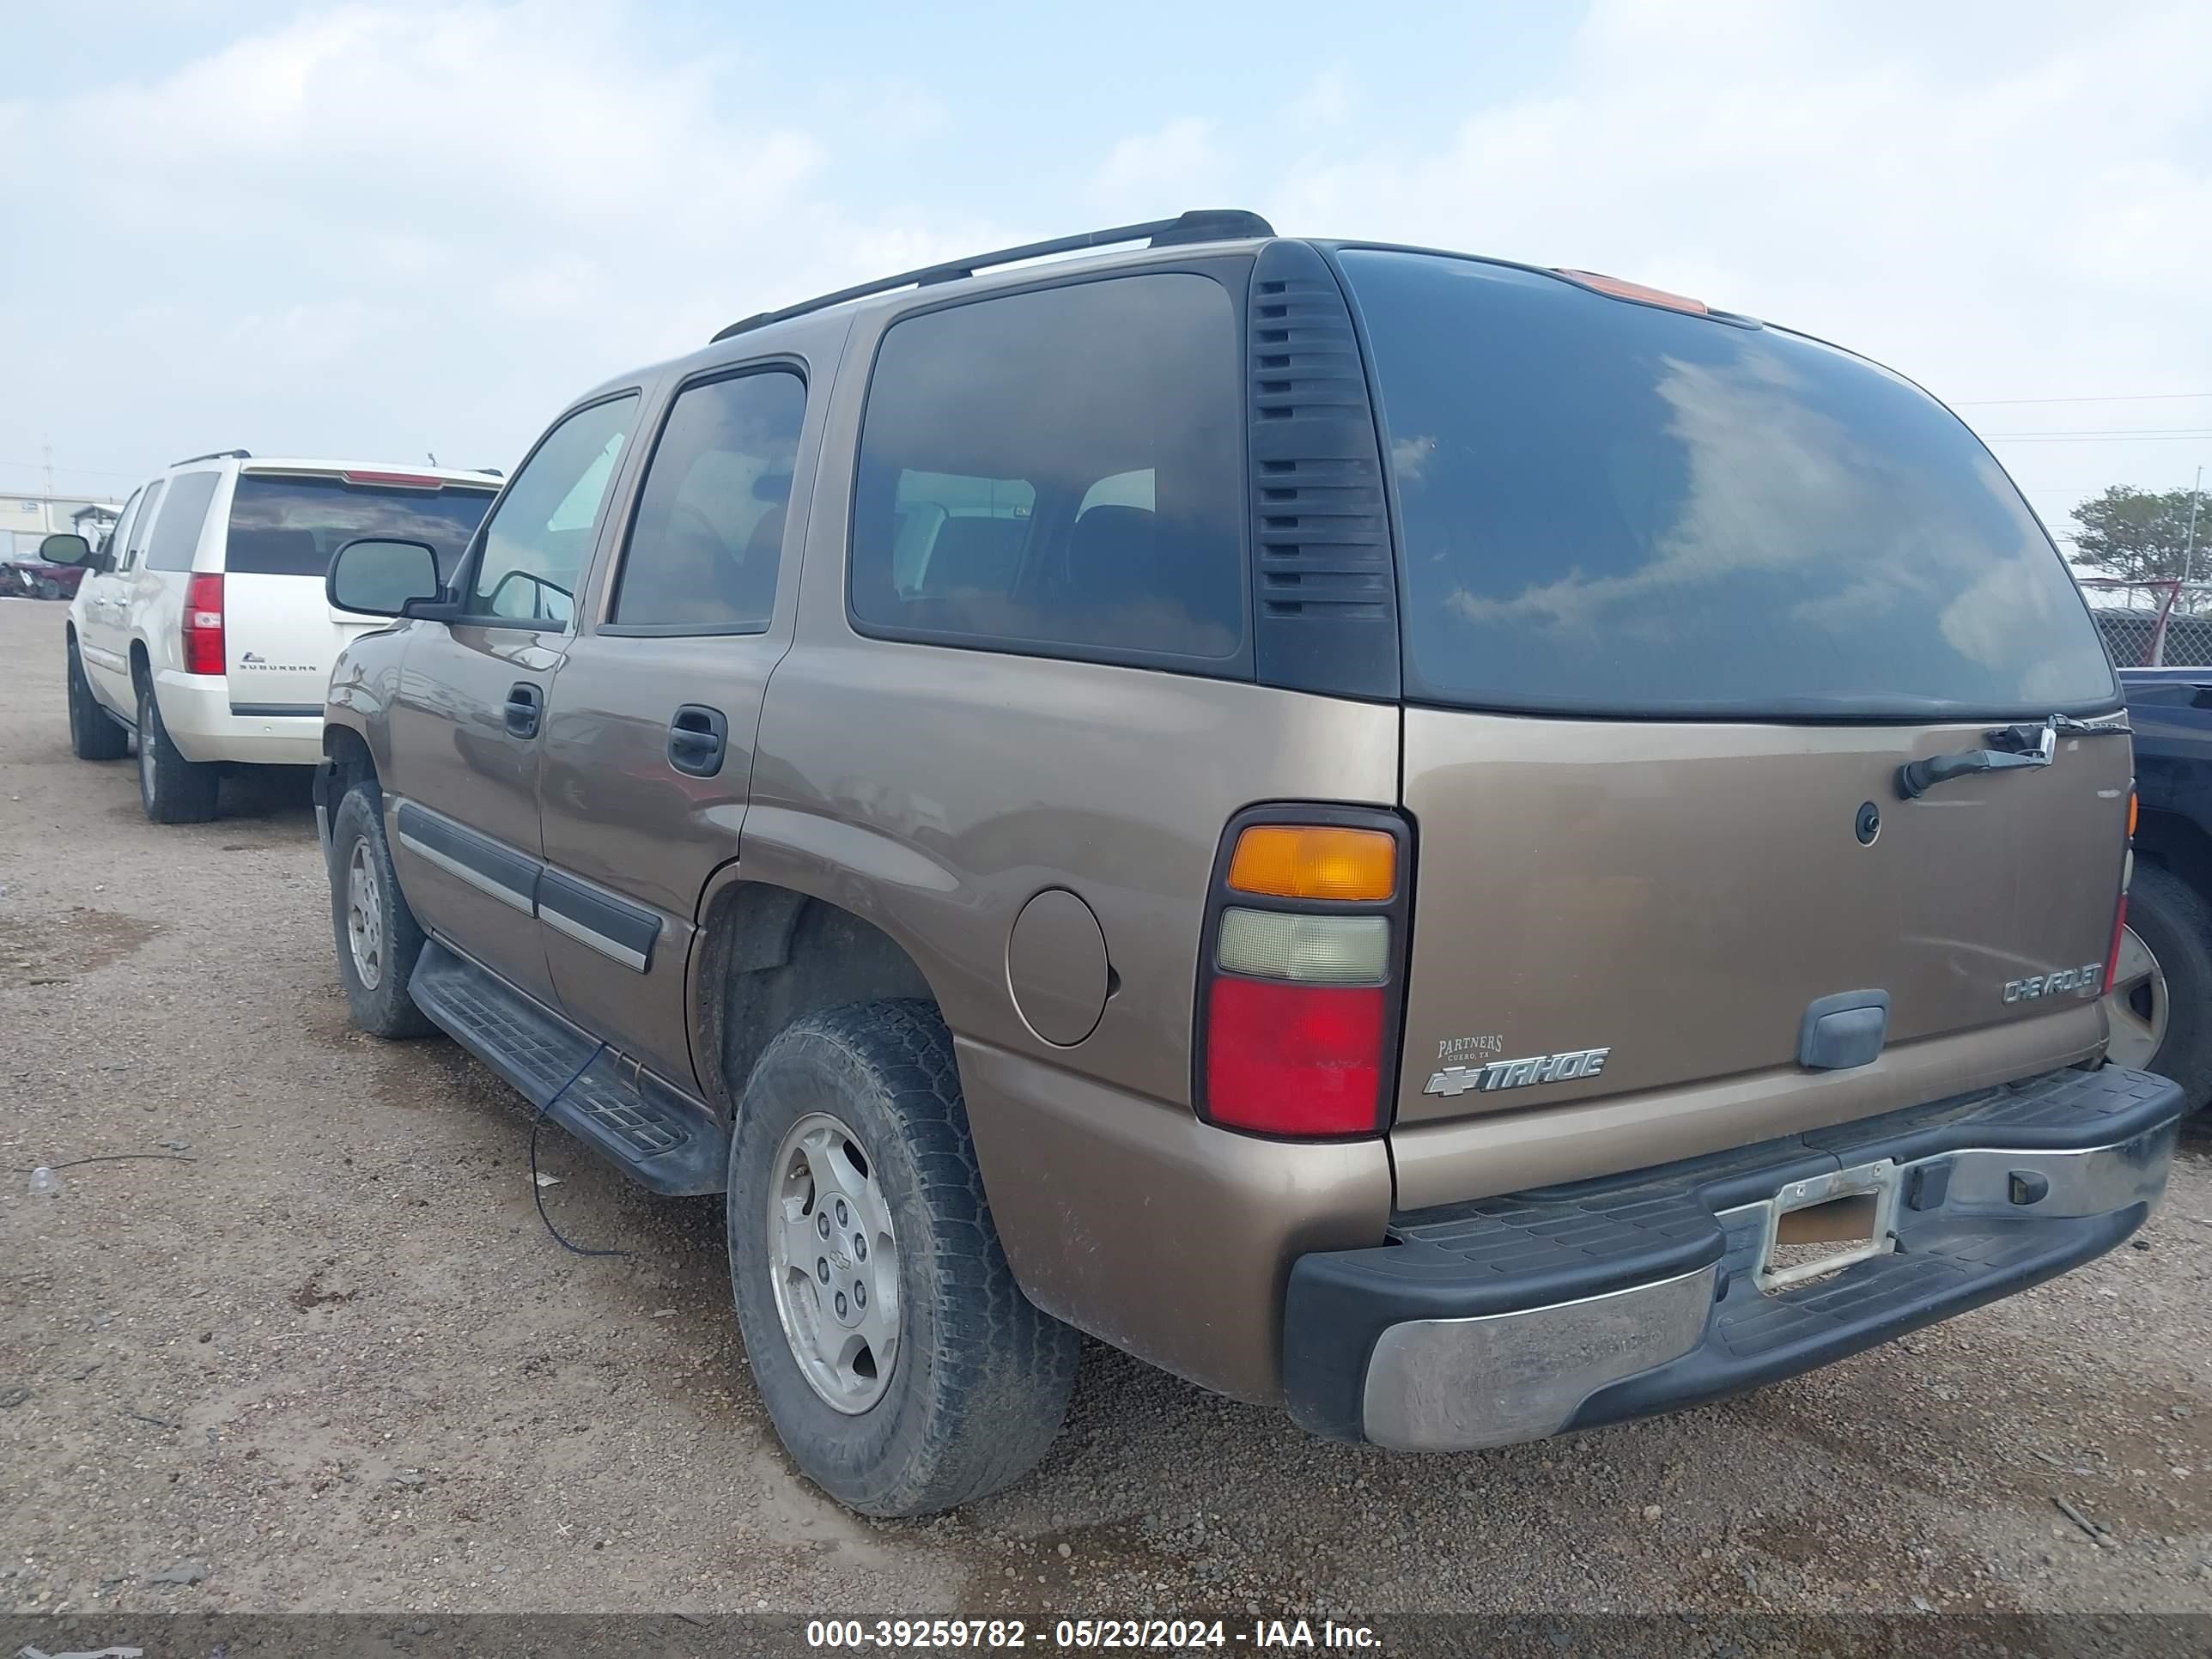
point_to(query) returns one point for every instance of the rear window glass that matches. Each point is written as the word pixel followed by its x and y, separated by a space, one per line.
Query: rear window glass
pixel 289 525
pixel 1612 509
pixel 177 531
pixel 1059 471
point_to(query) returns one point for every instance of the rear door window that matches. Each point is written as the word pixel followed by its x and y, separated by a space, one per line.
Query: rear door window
pixel 290 523
pixel 706 539
pixel 1612 508
pixel 1059 471
pixel 177 533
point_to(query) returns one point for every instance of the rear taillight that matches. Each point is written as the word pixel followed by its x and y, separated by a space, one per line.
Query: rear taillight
pixel 2120 910
pixel 203 639
pixel 1302 980
pixel 1621 289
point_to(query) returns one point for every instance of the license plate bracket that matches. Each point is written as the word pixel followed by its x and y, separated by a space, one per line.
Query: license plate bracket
pixel 1857 1207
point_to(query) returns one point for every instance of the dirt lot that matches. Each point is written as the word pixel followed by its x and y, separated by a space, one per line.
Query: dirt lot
pixel 337 1362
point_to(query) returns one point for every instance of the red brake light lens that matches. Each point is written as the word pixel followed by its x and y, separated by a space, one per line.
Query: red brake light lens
pixel 401 480
pixel 203 631
pixel 1621 289
pixel 1294 1060
pixel 2120 911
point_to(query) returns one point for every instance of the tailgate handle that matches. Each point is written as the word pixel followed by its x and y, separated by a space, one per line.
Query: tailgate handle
pixel 696 739
pixel 1846 1030
pixel 524 700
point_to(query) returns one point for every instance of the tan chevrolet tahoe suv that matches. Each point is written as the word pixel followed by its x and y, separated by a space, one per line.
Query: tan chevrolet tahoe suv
pixel 1467 850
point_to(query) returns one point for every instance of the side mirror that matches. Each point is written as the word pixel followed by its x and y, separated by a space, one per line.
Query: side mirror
pixel 65 548
pixel 380 578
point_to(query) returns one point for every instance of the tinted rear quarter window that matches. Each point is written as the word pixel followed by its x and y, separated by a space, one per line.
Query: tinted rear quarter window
pixel 289 524
pixel 1059 471
pixel 177 531
pixel 1609 507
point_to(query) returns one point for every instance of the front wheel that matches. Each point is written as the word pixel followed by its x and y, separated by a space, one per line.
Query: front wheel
pixel 377 935
pixel 900 1362
pixel 93 735
pixel 49 588
pixel 171 789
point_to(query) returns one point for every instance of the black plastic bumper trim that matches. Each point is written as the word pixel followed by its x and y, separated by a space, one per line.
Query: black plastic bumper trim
pixel 1560 1244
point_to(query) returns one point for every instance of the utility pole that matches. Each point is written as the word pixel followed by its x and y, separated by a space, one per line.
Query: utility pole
pixel 2188 545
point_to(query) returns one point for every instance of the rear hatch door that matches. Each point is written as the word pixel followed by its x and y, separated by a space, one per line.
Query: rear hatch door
pixel 281 633
pixel 1682 595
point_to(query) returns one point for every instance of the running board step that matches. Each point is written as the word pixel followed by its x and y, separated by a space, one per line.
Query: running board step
pixel 654 1132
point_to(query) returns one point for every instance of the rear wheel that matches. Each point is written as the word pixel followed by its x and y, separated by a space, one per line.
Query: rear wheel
pixel 171 789
pixel 377 935
pixel 2156 1007
pixel 902 1366
pixel 93 735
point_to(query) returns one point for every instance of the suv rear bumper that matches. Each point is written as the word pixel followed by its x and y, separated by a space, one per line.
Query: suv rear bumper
pixel 205 724
pixel 1511 1318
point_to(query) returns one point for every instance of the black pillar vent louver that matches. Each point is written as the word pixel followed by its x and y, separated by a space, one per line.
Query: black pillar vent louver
pixel 1325 599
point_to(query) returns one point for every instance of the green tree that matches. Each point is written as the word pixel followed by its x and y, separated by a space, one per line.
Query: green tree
pixel 2142 534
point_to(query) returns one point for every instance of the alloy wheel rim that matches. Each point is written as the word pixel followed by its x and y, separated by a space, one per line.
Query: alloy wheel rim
pixel 364 918
pixel 2136 1007
pixel 834 1257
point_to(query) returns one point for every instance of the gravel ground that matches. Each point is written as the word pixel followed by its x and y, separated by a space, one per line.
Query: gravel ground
pixel 335 1362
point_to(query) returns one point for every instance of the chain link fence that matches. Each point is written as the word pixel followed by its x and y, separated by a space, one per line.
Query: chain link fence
pixel 2151 624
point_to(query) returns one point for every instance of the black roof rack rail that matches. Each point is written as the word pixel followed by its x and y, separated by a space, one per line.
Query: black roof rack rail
pixel 1200 225
pixel 217 455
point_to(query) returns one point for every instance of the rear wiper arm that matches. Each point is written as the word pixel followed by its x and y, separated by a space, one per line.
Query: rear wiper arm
pixel 2015 747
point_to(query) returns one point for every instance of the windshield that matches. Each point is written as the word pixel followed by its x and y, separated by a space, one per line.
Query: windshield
pixel 290 523
pixel 1610 508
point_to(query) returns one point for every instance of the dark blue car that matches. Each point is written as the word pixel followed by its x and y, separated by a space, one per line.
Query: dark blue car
pixel 2158 1000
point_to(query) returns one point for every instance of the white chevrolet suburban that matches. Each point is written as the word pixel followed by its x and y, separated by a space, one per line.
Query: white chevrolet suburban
pixel 201 625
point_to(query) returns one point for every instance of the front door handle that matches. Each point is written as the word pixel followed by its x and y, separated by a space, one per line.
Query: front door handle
pixel 697 739
pixel 523 703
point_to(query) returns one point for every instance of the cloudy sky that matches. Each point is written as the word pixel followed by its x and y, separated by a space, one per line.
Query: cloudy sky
pixel 379 230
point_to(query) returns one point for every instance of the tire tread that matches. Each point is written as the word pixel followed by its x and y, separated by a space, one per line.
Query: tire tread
pixel 388 1010
pixel 185 791
pixel 991 1396
pixel 2175 920
pixel 94 734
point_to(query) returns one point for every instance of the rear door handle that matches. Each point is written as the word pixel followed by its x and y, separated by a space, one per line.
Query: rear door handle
pixel 697 739
pixel 524 702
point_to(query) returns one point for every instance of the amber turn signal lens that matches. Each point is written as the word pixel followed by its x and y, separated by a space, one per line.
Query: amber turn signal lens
pixel 2134 805
pixel 1314 862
